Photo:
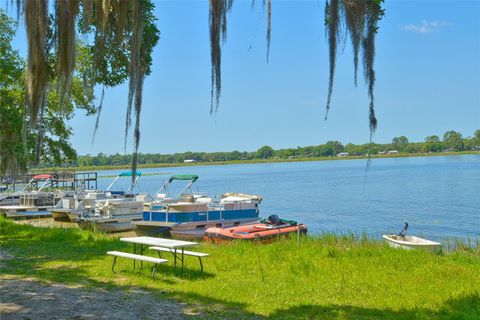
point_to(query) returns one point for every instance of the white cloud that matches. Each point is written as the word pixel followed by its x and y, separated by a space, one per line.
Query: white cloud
pixel 426 26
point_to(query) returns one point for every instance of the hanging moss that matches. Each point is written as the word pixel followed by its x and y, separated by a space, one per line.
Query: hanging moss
pixel 269 26
pixel 36 25
pixel 218 33
pixel 121 23
pixel 332 18
pixel 66 13
pixel 361 21
pixel 99 112
pixel 116 25
pixel 355 22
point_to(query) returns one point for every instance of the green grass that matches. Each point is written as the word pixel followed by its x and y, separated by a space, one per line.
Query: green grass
pixel 327 277
pixel 271 160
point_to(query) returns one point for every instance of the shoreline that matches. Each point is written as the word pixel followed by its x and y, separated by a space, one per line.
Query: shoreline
pixel 449 242
pixel 254 161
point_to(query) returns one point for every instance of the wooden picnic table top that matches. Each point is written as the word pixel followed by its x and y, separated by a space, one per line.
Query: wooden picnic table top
pixel 159 242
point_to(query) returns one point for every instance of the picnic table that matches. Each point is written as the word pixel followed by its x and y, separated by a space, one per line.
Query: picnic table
pixel 176 247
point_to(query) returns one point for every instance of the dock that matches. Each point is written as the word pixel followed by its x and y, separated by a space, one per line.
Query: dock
pixel 25 212
pixel 65 180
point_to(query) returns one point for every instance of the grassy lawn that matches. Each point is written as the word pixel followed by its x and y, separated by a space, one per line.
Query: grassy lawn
pixel 326 277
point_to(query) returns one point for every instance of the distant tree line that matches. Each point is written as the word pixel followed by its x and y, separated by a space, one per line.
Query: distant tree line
pixel 451 141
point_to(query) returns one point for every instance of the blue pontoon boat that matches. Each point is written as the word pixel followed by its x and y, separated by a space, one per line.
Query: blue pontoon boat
pixel 189 214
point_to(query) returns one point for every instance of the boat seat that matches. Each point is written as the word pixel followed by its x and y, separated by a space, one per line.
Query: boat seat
pixel 260 226
pixel 269 227
pixel 133 256
pixel 199 255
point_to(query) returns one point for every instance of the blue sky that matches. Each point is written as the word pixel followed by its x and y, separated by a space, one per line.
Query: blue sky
pixel 427 64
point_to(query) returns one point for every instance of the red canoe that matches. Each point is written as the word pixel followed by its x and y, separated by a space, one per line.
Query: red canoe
pixel 259 232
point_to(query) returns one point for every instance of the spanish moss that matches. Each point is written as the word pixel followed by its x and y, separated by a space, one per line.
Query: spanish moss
pixel 87 11
pixel 361 20
pixel 355 21
pixel 117 30
pixel 67 11
pixel 372 19
pixel 137 76
pixel 332 20
pixel 218 32
pixel 20 4
pixel 40 132
pixel 136 69
pixel 122 8
pixel 121 24
pixel 99 111
pixel 138 109
pixel 103 8
pixel 269 26
pixel 36 24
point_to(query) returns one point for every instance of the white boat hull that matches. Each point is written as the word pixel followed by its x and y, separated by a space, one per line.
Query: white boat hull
pixel 109 225
pixel 411 243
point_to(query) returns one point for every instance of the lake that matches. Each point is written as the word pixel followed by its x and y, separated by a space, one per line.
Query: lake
pixel 438 196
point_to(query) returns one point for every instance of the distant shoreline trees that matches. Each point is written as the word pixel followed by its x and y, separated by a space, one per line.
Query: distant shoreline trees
pixel 452 141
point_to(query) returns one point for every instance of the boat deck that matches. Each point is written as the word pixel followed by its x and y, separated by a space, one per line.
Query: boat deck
pixel 25 212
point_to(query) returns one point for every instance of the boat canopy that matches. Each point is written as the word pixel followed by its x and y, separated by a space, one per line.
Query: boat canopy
pixel 192 177
pixel 135 174
pixel 37 177
pixel 129 174
pixel 42 176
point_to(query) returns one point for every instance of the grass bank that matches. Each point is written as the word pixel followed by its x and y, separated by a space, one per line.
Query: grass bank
pixel 326 277
pixel 218 163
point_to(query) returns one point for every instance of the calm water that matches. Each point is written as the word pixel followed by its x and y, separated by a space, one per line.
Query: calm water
pixel 438 196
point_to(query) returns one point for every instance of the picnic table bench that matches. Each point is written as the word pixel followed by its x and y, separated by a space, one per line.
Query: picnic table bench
pixel 139 257
pixel 199 255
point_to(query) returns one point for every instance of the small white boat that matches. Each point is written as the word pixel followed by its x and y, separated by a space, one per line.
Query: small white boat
pixel 411 242
pixel 114 214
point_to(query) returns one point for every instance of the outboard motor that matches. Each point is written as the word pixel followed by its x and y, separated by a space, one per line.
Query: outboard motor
pixel 403 233
pixel 274 220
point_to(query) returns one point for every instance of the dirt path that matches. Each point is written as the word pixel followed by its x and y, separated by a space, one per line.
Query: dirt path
pixel 22 298
pixel 30 299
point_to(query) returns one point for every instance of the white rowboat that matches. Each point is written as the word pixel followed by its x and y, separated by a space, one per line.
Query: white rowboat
pixel 411 242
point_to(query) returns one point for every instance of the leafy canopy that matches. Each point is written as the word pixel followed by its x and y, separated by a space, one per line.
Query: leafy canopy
pixel 49 139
